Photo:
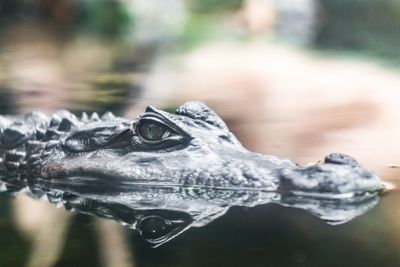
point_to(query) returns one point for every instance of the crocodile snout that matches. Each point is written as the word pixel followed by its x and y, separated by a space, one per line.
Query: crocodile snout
pixel 338 174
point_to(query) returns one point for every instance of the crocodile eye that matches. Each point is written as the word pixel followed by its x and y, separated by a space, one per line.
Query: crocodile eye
pixel 151 131
pixel 157 132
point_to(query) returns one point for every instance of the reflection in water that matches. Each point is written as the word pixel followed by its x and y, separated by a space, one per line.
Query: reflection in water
pixel 46 228
pixel 47 68
pixel 163 172
pixel 158 226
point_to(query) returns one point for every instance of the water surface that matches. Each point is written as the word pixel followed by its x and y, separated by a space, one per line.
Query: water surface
pixel 39 70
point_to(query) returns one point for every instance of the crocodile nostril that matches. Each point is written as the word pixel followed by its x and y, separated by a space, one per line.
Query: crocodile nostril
pixel 340 159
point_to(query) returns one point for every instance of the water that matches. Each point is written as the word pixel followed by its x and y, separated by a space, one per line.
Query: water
pixel 276 99
pixel 266 234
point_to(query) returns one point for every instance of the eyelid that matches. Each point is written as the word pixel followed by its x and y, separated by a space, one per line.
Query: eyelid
pixel 154 120
pixel 173 133
pixel 154 117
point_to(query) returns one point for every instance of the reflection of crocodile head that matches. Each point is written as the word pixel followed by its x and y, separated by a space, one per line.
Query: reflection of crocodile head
pixel 162 172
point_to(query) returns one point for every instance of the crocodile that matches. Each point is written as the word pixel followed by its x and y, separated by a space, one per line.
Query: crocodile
pixel 163 173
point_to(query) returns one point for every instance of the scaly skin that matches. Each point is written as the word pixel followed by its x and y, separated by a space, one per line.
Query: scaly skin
pixel 162 173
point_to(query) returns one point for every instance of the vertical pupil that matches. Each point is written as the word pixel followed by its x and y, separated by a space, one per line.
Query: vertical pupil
pixel 151 131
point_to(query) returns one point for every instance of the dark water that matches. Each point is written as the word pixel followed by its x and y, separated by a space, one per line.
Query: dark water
pixel 267 235
pixel 41 69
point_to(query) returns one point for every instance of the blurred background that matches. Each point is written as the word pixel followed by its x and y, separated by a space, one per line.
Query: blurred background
pixel 293 78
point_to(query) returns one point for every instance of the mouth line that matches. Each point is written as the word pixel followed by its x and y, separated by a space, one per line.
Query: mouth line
pixel 114 182
pixel 125 185
pixel 336 196
pixel 121 183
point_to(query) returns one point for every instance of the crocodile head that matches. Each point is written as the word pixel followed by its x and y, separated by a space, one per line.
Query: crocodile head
pixel 186 164
pixel 192 148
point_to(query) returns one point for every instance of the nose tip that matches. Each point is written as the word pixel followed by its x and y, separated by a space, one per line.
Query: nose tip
pixel 340 159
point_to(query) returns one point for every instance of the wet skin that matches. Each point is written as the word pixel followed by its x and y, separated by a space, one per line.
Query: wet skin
pixel 162 173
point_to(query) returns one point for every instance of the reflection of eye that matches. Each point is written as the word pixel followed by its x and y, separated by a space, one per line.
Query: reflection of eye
pixel 159 226
pixel 152 226
pixel 151 131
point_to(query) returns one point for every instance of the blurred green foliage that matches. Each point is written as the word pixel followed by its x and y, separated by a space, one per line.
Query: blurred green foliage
pixel 361 25
pixel 198 29
pixel 202 28
pixel 99 17
pixel 213 6
pixel 108 18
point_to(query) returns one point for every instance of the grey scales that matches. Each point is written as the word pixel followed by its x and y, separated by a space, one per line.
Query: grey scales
pixel 163 173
